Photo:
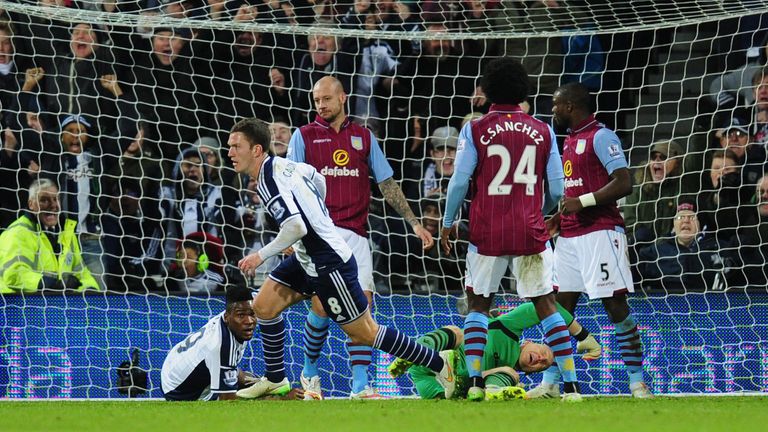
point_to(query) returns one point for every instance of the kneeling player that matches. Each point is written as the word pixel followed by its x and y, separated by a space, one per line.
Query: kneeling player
pixel 204 365
pixel 503 355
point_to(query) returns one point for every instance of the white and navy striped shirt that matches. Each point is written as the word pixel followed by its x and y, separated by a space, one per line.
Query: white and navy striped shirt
pixel 288 190
pixel 203 364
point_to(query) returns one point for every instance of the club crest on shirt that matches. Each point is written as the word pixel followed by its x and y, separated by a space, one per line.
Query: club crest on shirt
pixel 230 377
pixel 357 143
pixel 581 145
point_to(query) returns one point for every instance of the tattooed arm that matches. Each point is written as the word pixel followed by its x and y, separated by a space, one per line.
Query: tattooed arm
pixel 394 197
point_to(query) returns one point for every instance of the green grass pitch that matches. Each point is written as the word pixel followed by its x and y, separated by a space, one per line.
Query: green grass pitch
pixel 743 414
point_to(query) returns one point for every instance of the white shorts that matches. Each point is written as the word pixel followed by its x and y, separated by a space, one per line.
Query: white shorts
pixel 361 249
pixel 594 263
pixel 533 273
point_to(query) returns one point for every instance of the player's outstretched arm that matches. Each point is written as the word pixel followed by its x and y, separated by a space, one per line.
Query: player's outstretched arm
pixel 394 196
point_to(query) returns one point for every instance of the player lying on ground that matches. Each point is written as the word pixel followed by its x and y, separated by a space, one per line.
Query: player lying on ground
pixel 322 264
pixel 204 365
pixel 503 355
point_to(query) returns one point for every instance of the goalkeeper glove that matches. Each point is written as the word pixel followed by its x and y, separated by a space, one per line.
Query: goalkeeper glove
pixel 591 349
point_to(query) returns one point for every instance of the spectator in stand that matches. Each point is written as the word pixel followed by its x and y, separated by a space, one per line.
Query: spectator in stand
pixel 14 176
pixel 190 203
pixel 163 74
pixel 542 57
pixel 441 83
pixel 430 270
pixel 759 110
pixel 375 67
pixel 722 202
pixel 40 39
pixel 77 173
pixel 281 136
pixel 249 77
pixel 193 271
pixel 733 89
pixel 392 96
pixel 439 169
pixel 210 149
pixel 140 162
pixel 70 83
pixel 735 137
pixel 690 261
pixel 323 59
pixel 40 250
pixel 9 74
pixel 132 238
pixel 753 238
pixel 23 142
pixel 409 13
pixel 650 209
pixel 84 155
pixel 208 9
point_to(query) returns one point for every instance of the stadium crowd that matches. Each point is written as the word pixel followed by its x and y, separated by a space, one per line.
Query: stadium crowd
pixel 121 129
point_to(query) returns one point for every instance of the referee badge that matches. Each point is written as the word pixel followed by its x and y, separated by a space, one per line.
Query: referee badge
pixel 581 145
pixel 357 143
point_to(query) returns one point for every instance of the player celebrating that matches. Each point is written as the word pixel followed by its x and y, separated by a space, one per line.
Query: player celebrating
pixel 204 365
pixel 591 253
pixel 322 263
pixel 502 356
pixel 508 154
pixel 346 154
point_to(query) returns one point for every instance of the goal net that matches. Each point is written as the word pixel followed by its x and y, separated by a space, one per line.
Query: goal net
pixel 126 106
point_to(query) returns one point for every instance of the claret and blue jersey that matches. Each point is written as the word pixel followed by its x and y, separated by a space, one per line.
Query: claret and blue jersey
pixel 508 155
pixel 591 153
pixel 347 159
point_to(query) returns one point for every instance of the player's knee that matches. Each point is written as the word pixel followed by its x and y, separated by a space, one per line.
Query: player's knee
pixel 263 310
pixel 364 333
pixel 363 338
pixel 616 308
pixel 545 305
pixel 478 303
pixel 317 307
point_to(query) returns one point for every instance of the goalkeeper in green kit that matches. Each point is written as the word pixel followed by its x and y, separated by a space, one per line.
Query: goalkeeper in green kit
pixel 503 356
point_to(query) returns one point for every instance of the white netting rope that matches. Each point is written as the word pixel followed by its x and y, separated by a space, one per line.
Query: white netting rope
pixel 633 15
